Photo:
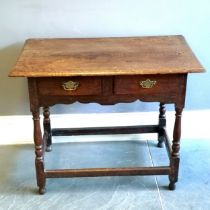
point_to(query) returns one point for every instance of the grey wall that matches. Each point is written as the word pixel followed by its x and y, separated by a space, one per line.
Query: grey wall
pixel 23 19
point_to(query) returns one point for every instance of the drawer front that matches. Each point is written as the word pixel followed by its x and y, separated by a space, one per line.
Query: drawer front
pixel 69 86
pixel 149 85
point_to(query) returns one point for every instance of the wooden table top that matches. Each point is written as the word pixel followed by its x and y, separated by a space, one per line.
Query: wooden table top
pixel 105 57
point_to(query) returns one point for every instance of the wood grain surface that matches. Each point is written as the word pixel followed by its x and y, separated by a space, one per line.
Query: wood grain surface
pixel 105 57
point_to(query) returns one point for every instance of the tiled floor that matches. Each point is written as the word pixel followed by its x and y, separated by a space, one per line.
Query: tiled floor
pixel 18 186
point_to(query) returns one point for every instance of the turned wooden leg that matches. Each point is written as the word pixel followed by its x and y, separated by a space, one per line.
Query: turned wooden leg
pixel 47 128
pixel 162 124
pixel 39 160
pixel 173 177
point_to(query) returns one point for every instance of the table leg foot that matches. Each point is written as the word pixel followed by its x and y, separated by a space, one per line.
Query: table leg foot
pixel 160 144
pixel 42 190
pixel 172 186
pixel 48 148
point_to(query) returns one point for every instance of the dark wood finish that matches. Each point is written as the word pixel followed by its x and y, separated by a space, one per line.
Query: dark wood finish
pixel 53 86
pixel 39 160
pixel 33 94
pixel 93 172
pixel 130 84
pixel 105 130
pixel 167 142
pixel 175 149
pixel 47 128
pixel 111 94
pixel 162 124
pixel 107 71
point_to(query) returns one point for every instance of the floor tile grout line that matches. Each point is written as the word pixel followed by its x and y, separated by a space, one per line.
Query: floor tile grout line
pixel 161 202
pixel 156 182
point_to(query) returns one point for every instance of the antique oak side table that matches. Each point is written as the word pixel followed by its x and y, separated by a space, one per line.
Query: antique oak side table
pixel 106 71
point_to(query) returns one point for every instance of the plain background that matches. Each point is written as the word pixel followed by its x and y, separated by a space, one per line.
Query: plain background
pixel 23 19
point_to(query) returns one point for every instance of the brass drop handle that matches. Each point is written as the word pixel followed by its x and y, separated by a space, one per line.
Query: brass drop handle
pixel 70 85
pixel 147 83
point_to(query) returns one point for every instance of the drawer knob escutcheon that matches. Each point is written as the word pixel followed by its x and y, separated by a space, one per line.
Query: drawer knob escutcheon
pixel 147 83
pixel 70 85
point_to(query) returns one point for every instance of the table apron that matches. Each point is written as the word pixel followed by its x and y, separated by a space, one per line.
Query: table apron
pixel 113 89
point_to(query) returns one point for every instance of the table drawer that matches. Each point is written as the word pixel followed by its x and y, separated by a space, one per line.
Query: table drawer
pixel 69 86
pixel 149 84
